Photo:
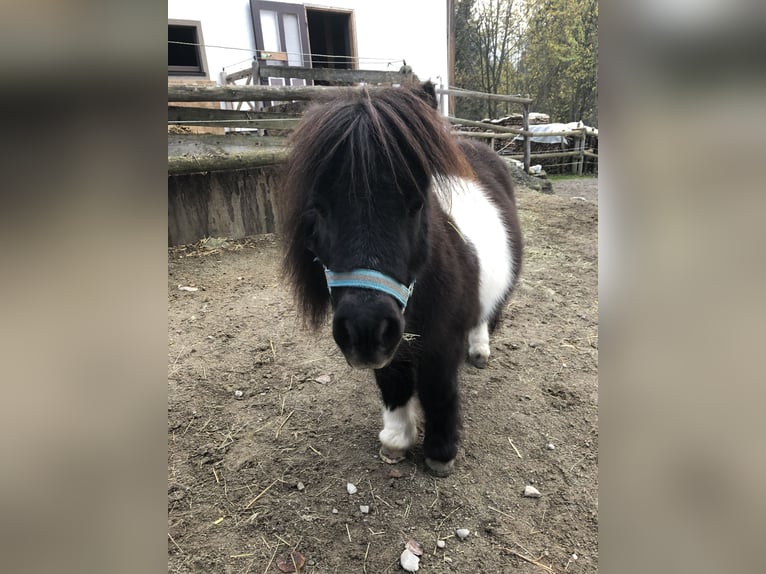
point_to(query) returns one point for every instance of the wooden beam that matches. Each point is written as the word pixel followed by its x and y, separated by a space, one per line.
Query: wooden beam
pixel 193 163
pixel 233 93
pixel 485 96
pixel 534 156
pixel 264 124
pixel 182 113
pixel 490 127
pixel 483 135
pixel 334 75
pixel 239 75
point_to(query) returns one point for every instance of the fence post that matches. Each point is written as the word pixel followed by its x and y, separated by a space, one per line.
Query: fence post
pixel 581 145
pixel 527 139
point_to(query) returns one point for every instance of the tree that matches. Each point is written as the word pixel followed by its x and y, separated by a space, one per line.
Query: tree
pixel 558 66
pixel 487 35
pixel 547 49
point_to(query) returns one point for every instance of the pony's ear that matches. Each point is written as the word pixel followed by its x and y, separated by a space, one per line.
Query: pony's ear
pixel 427 93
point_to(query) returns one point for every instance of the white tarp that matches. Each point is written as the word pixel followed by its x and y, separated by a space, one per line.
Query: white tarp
pixel 551 128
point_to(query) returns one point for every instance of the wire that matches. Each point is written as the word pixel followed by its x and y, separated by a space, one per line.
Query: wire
pixel 369 59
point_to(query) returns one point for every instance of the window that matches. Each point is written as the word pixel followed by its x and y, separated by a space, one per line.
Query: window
pixel 330 38
pixel 186 56
pixel 281 32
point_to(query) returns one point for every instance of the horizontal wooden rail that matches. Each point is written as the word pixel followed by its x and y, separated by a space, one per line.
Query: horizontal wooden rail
pixel 501 129
pixel 182 113
pixel 484 96
pixel 233 93
pixel 546 155
pixel 577 132
pixel 196 163
pixel 333 74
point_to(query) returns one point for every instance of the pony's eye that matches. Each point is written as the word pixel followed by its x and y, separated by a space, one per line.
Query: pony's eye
pixel 415 207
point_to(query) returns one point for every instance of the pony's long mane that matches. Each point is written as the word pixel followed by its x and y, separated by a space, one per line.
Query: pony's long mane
pixel 390 132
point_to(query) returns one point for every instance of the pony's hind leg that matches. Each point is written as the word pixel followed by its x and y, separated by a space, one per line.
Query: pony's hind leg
pixel 478 345
pixel 400 431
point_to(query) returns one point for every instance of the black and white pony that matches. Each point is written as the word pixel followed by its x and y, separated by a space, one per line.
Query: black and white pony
pixel 411 238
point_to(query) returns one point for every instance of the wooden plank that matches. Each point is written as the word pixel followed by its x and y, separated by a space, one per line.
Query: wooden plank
pixel 273 56
pixel 230 78
pixel 503 129
pixel 183 113
pixel 483 135
pixel 233 93
pixel 274 124
pixel 551 154
pixel 488 127
pixel 220 144
pixel 194 163
pixel 333 75
pixel 484 96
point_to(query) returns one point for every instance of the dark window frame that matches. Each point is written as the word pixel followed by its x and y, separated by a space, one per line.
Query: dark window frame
pixel 200 71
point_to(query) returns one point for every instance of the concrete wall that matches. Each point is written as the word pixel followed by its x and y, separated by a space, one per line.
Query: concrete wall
pixel 231 204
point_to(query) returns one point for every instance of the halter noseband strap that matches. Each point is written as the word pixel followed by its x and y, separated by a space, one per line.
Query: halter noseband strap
pixel 370 279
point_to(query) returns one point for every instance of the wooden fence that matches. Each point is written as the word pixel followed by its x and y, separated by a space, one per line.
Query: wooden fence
pixel 189 154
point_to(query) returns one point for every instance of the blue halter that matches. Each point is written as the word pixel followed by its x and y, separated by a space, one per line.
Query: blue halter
pixel 369 279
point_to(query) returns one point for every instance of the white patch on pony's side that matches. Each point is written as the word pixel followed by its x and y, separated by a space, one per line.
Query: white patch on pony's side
pixel 480 222
pixel 399 431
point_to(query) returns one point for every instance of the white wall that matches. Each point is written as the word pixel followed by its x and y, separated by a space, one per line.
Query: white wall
pixel 415 30
pixel 224 23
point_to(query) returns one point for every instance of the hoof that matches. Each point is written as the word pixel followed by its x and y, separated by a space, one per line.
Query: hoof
pixel 439 468
pixel 478 360
pixel 392 455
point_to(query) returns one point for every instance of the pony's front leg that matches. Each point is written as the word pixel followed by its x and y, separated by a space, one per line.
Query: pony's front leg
pixel 396 383
pixel 438 392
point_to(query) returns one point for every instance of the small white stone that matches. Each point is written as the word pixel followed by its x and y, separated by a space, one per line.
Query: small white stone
pixel 462 533
pixel 448 559
pixel 351 488
pixel 441 544
pixel 531 492
pixel 364 509
pixel 574 556
pixel 238 394
pixel 409 561
pixel 550 446
pixel 301 486
pixel 335 511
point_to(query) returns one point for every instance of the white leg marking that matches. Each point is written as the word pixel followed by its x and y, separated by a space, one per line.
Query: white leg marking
pixel 399 432
pixel 478 345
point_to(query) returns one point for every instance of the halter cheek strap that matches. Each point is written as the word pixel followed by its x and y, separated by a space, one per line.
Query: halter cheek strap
pixel 370 279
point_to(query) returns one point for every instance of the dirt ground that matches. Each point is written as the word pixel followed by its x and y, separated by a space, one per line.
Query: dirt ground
pixel 267 424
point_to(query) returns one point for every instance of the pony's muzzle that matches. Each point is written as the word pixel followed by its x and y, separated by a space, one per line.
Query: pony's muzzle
pixel 367 327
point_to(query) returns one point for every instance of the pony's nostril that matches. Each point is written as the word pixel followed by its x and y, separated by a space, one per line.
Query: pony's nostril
pixel 343 333
pixel 388 332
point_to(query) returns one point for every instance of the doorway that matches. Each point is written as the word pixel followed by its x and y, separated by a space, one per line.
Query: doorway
pixel 331 39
